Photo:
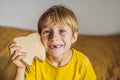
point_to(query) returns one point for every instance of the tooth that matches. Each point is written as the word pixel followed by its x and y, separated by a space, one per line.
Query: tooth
pixel 52 46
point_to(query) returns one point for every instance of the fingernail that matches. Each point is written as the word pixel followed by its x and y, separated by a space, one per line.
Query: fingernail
pixel 19 47
pixel 25 53
pixel 14 42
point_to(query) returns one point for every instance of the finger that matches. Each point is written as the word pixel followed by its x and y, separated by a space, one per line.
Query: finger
pixel 12 44
pixel 13 49
pixel 18 53
pixel 18 58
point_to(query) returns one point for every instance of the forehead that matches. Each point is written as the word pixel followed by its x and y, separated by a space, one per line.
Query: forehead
pixel 50 23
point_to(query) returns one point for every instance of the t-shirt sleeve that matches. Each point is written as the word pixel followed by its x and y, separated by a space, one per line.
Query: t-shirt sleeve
pixel 30 72
pixel 87 71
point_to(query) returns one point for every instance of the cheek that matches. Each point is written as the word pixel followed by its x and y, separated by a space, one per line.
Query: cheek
pixel 67 42
pixel 44 40
pixel 67 38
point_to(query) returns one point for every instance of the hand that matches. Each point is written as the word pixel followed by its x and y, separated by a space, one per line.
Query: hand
pixel 17 55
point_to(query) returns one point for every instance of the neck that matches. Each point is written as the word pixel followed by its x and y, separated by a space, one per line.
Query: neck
pixel 62 60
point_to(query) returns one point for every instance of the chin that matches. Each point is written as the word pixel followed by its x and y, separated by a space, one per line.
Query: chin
pixel 56 54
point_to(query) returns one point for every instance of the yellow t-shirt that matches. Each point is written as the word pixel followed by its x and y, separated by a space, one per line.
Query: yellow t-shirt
pixel 78 68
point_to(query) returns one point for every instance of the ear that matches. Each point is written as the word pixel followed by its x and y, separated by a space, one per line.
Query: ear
pixel 74 37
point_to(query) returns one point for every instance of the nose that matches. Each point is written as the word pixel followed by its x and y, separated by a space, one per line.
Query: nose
pixel 54 36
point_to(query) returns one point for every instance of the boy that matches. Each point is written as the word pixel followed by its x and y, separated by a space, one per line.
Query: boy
pixel 58 29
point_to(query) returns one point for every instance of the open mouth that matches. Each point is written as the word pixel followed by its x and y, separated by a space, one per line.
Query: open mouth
pixel 55 46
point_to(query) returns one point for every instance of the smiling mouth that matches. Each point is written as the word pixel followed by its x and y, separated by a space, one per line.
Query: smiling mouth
pixel 56 46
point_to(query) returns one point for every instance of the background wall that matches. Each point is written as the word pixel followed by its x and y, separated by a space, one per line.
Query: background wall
pixel 97 17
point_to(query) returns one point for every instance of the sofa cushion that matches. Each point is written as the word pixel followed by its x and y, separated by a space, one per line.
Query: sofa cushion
pixel 103 52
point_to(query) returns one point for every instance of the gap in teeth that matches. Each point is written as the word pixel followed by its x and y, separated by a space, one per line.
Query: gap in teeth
pixel 55 46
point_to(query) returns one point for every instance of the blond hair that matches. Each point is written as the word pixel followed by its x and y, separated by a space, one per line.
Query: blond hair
pixel 59 15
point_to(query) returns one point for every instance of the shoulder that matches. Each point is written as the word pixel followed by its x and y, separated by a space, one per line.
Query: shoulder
pixel 85 66
pixel 80 56
pixel 81 59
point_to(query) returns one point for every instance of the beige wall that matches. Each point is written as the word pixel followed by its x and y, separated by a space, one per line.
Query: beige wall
pixel 94 16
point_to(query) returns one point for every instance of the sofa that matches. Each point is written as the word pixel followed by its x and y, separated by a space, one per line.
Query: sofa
pixel 103 52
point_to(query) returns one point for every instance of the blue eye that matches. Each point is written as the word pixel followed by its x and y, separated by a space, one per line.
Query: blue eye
pixel 62 31
pixel 46 31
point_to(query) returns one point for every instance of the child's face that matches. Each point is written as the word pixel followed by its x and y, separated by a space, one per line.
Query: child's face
pixel 57 39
